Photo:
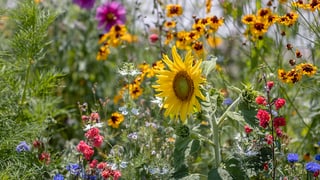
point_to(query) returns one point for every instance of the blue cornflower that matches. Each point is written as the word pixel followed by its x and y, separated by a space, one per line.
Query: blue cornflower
pixel 312 167
pixel 89 177
pixel 292 157
pixel 227 101
pixel 23 146
pixel 74 169
pixel 58 177
pixel 317 157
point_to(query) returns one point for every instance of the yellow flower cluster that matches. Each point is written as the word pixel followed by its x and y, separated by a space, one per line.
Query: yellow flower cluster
pixel 117 35
pixel 295 74
pixel 259 23
pixel 135 90
pixel 202 27
pixel 311 6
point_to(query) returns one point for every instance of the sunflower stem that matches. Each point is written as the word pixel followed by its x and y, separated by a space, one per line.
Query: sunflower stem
pixel 215 130
pixel 224 115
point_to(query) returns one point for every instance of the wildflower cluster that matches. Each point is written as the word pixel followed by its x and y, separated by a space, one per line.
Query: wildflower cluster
pixel 295 74
pixel 310 6
pixel 259 23
pixel 135 87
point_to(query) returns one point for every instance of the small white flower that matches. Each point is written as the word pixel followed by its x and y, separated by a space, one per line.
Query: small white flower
pixel 135 111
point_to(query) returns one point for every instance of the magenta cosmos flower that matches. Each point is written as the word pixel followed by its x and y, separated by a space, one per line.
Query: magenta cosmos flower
pixel 85 4
pixel 109 14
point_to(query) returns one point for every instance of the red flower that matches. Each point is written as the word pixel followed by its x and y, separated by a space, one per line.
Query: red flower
pixel 153 38
pixel 94 116
pixel 93 163
pixel 247 129
pixel 106 173
pixel 45 157
pixel 279 121
pixel 91 133
pixel 279 132
pixel 261 100
pixel 263 117
pixel 116 175
pixel 85 149
pixel 97 141
pixel 102 165
pixel 269 139
pixel 270 84
pixel 279 103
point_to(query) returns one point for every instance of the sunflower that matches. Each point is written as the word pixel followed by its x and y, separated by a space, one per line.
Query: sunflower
pixel 179 86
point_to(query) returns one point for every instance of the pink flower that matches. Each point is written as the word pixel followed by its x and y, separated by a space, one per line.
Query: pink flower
pixel 263 117
pixel 279 132
pixel 85 4
pixel 269 139
pixel 279 103
pixel 97 141
pixel 261 100
pixel 93 163
pixel 116 175
pixel 153 38
pixel 102 165
pixel 94 116
pixel 106 173
pixel 247 129
pixel 270 84
pixel 91 133
pixel 110 14
pixel 84 118
pixel 85 149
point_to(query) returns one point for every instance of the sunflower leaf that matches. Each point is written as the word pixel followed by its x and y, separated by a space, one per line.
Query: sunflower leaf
pixel 209 65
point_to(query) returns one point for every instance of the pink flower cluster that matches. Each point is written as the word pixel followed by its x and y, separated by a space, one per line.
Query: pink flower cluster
pixel 85 149
pixel 94 117
pixel 106 171
pixel 94 137
pixel 264 118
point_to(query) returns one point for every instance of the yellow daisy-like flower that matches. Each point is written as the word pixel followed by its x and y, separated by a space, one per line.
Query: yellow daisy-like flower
pixel 179 86
pixel 174 10
pixel 307 69
pixel 135 91
pixel 115 120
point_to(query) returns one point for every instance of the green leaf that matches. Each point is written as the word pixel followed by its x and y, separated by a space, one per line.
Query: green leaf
pixel 209 65
pixel 235 116
pixel 233 166
pixel 219 174
pixel 181 169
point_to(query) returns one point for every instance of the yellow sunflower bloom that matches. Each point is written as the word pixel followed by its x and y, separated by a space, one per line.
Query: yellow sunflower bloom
pixel 179 86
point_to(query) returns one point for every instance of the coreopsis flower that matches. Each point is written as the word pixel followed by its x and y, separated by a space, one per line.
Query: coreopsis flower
pixel 264 118
pixel 110 14
pixel 135 90
pixel 198 48
pixel 170 24
pixel 174 10
pixel 292 157
pixel 307 69
pixel 85 4
pixel 294 76
pixel 23 146
pixel 180 85
pixel 208 6
pixel 115 120
pixel 103 53
pixel 279 103
pixel 214 23
pixel 248 19
pixel 289 19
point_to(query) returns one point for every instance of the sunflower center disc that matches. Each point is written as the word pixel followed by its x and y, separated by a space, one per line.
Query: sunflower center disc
pixel 183 86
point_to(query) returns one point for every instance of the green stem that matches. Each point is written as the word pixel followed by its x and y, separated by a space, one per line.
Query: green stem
pixel 26 83
pixel 215 130
pixel 224 115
